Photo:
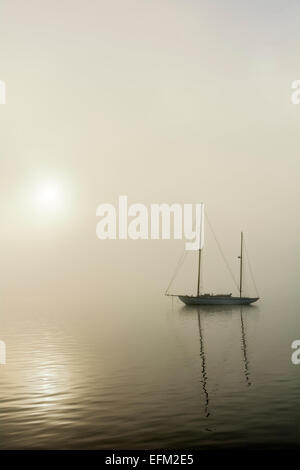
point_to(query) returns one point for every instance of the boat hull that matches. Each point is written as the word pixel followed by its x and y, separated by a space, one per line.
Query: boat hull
pixel 216 300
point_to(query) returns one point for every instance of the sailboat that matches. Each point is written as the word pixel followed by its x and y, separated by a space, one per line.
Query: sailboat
pixel 216 299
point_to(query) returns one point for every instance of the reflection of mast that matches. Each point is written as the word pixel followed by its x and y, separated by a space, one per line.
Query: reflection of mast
pixel 203 359
pixel 244 349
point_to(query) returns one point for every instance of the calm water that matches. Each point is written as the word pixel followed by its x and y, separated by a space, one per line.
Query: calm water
pixel 150 373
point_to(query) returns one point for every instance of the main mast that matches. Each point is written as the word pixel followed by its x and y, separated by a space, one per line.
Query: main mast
pixel 201 242
pixel 241 266
pixel 199 270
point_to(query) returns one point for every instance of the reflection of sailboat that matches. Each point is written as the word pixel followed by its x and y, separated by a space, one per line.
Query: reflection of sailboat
pixel 218 309
pixel 203 360
pixel 216 299
pixel 244 350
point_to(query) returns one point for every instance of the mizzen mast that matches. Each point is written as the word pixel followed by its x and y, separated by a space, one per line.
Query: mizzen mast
pixel 241 264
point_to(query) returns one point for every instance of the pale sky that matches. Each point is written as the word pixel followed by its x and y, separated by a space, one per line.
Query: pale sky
pixel 163 101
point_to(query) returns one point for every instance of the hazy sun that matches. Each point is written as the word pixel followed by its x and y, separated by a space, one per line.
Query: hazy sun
pixel 49 196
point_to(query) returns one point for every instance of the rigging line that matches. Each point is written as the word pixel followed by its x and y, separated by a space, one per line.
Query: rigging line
pixel 179 264
pixel 251 272
pixel 222 254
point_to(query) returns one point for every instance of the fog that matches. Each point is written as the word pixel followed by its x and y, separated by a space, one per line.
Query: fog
pixel 162 101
